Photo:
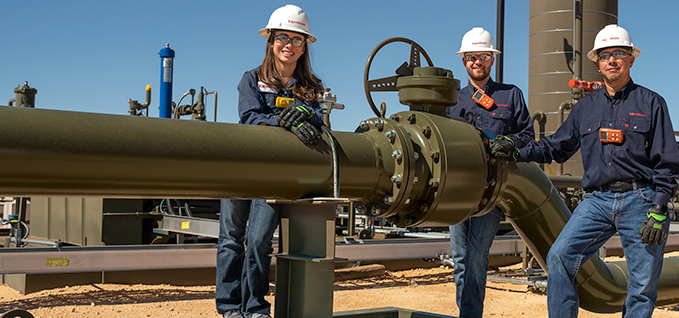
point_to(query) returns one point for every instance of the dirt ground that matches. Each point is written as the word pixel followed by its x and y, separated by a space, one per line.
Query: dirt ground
pixel 429 290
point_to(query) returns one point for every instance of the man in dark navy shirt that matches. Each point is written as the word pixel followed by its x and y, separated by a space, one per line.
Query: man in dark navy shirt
pixel 501 110
pixel 631 163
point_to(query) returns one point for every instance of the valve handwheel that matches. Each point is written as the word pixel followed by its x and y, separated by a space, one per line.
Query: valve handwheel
pixel 17 313
pixel 388 84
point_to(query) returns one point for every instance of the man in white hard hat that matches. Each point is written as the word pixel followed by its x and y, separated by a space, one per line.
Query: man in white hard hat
pixel 501 110
pixel 631 162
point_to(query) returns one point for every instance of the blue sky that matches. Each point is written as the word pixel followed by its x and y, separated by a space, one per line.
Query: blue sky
pixel 92 55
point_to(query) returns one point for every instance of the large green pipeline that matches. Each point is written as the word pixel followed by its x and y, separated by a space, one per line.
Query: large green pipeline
pixel 47 152
pixel 538 214
pixel 404 168
pixel 415 168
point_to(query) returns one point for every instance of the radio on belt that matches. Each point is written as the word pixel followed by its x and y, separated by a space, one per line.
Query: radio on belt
pixel 483 99
pixel 608 135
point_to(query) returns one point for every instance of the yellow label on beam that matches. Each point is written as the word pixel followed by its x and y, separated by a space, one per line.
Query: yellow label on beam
pixel 57 261
pixel 185 225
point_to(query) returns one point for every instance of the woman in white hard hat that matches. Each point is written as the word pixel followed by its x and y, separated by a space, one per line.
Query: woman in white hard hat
pixel 281 92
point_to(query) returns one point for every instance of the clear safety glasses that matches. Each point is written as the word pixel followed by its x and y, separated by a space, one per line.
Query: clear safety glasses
pixel 473 57
pixel 618 55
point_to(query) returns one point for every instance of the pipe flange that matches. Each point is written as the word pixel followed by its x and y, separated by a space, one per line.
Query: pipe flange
pixel 426 168
pixel 397 154
pixel 433 170
pixel 495 181
pixel 453 164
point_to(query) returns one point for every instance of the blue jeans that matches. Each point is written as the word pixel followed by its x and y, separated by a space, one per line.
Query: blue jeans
pixel 243 274
pixel 600 215
pixel 470 243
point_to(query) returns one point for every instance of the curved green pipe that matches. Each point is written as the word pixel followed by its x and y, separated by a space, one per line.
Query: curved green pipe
pixel 538 214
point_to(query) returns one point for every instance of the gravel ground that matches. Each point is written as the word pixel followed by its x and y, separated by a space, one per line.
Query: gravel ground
pixel 429 290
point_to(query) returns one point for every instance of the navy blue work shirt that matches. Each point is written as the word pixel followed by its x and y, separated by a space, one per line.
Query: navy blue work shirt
pixel 647 153
pixel 257 101
pixel 508 116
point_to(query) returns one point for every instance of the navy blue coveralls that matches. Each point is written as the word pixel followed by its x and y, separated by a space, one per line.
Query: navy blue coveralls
pixel 243 274
pixel 644 167
pixel 470 240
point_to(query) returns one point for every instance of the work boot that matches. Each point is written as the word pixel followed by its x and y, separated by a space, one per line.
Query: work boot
pixel 256 315
pixel 233 314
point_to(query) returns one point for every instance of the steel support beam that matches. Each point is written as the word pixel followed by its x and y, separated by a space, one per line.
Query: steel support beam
pixel 110 258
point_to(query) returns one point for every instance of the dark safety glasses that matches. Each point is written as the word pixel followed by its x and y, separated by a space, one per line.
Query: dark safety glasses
pixel 285 39
pixel 474 57
pixel 618 55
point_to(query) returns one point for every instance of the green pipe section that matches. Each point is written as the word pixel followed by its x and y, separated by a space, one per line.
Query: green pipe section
pixel 538 214
pixel 439 170
pixel 47 152
pixel 445 174
pixel 439 177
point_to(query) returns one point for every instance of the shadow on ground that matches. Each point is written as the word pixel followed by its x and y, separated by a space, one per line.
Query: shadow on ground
pixel 106 297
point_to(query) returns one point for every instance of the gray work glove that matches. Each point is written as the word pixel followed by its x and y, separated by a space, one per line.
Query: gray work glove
pixel 294 115
pixel 654 228
pixel 306 132
pixel 503 147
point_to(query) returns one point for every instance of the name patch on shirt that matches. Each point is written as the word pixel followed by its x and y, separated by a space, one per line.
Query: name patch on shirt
pixel 266 88
pixel 637 114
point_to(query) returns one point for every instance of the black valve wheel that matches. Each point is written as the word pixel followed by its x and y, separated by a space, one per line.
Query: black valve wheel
pixel 17 313
pixel 388 84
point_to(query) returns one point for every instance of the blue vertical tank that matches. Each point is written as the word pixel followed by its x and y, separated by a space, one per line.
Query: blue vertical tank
pixel 166 63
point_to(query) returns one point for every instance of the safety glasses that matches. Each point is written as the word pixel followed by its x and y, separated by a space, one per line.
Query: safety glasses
pixel 473 57
pixel 285 39
pixel 618 55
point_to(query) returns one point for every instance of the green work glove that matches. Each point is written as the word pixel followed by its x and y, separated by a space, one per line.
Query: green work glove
pixel 294 115
pixel 306 132
pixel 654 228
pixel 503 146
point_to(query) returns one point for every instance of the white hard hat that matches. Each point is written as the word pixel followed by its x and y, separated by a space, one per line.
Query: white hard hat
pixel 289 18
pixel 612 36
pixel 477 40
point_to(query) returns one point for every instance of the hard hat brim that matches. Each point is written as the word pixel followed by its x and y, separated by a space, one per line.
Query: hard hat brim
pixel 494 51
pixel 267 32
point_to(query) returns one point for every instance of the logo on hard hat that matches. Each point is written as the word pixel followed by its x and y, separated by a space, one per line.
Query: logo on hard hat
pixel 477 43
pixel 296 22
pixel 615 38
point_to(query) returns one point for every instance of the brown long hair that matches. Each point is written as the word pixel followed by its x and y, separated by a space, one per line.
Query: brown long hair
pixel 307 87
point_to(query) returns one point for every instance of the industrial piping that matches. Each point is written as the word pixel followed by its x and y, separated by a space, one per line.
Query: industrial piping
pixel 538 214
pixel 402 170
pixel 414 168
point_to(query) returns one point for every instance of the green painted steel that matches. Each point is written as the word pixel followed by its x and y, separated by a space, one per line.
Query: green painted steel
pixel 73 220
pixel 430 89
pixel 442 169
pixel 387 312
pixel 25 96
pixel 305 264
pixel 60 153
pixel 415 168
pixel 436 172
pixel 538 214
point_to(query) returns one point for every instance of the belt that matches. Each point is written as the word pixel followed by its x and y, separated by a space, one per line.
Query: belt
pixel 621 186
